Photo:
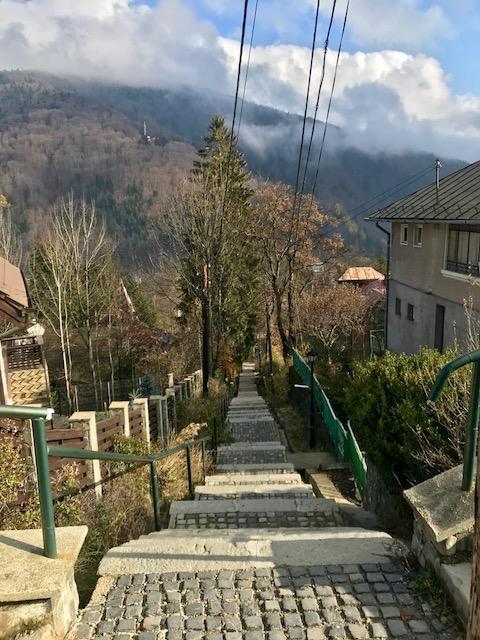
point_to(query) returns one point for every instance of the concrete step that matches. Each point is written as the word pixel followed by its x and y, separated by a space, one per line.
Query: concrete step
pixel 255 491
pixel 254 468
pixel 204 550
pixel 232 479
pixel 255 513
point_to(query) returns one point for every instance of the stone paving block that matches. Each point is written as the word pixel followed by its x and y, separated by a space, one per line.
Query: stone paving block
pixel 352 601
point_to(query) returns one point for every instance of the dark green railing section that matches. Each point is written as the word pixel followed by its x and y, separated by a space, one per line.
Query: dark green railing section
pixel 344 442
pixel 43 451
pixel 471 438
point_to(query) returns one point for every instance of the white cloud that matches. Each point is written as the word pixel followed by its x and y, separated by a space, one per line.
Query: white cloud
pixel 385 100
pixel 112 40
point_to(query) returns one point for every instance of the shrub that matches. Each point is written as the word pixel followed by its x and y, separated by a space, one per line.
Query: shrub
pixel 386 401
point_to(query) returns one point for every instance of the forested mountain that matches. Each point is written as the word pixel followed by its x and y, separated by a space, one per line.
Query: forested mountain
pixel 60 135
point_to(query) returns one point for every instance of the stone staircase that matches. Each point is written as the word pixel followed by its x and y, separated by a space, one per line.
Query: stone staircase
pixel 256 556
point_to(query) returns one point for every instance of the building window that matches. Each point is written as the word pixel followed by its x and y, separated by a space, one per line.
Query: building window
pixel 398 307
pixel 463 253
pixel 410 312
pixel 418 235
pixel 404 234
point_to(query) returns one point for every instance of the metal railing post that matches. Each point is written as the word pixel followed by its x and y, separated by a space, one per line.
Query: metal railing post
pixel 155 496
pixel 189 472
pixel 44 488
pixel 215 433
pixel 203 460
pixel 471 434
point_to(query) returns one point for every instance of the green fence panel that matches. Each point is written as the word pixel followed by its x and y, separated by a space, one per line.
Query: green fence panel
pixel 356 459
pixel 344 442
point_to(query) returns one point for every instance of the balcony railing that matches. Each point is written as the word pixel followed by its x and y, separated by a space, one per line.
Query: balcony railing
pixel 463 267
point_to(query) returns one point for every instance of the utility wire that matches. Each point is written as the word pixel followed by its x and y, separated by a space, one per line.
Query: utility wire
pixel 247 68
pixel 322 78
pixel 300 151
pixel 235 104
pixel 362 209
pixel 330 101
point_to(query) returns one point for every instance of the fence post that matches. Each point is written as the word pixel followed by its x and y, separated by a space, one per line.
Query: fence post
pixel 189 472
pixel 89 421
pixel 170 393
pixel 155 496
pixel 122 406
pixel 165 420
pixel 215 433
pixel 142 403
pixel 44 488
pixel 203 461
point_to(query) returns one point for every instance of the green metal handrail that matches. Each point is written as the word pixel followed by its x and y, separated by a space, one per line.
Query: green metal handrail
pixel 43 450
pixel 471 438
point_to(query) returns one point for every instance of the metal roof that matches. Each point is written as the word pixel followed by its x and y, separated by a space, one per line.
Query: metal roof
pixel 14 301
pixel 458 200
pixel 360 274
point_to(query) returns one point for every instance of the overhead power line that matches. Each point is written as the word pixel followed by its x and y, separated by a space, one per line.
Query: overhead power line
pixel 247 68
pixel 300 151
pixel 370 205
pixel 330 100
pixel 235 104
pixel 319 92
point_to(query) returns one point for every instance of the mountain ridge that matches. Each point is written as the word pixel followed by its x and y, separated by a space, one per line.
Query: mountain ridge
pixel 70 134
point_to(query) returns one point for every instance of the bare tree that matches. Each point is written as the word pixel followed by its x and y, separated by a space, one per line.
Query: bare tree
pixel 332 313
pixel 72 279
pixel 93 280
pixel 291 238
pixel 50 274
pixel 10 245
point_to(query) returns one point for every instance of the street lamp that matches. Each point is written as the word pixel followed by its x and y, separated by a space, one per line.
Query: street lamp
pixel 311 357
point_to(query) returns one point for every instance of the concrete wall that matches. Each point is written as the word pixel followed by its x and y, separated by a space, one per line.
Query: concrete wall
pixel 418 277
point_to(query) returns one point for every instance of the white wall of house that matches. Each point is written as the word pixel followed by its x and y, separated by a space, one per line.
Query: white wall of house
pixel 419 278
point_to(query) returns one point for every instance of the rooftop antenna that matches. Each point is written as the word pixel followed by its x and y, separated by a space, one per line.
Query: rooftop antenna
pixel 438 166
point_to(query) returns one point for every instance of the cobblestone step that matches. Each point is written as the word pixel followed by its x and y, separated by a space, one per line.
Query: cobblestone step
pixel 249 491
pixel 251 453
pixel 253 479
pixel 255 513
pixel 356 601
pixel 252 431
pixel 254 468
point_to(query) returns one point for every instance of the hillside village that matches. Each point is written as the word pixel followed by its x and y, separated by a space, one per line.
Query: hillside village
pixel 240 341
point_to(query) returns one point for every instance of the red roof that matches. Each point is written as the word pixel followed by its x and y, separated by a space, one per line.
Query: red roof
pixel 13 293
pixel 361 274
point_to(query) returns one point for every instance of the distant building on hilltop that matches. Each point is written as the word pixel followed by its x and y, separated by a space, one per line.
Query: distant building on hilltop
pixel 146 137
pixel 434 262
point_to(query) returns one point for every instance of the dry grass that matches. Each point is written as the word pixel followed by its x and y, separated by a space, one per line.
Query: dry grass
pixel 125 512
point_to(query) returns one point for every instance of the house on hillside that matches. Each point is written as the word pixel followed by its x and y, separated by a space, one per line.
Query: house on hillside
pixel 434 262
pixel 361 276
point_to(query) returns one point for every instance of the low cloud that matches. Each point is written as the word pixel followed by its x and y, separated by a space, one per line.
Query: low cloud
pixel 386 100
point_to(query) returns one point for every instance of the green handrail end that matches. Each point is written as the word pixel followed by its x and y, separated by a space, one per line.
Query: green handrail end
pixel 448 369
pixel 25 412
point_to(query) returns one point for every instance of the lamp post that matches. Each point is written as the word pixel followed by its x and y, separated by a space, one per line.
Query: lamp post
pixel 311 357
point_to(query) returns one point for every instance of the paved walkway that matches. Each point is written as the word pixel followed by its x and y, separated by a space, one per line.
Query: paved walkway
pixel 256 556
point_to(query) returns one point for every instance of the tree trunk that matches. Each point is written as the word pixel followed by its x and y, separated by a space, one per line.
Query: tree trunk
pixel 473 628
pixel 205 345
pixel 281 329
pixel 91 359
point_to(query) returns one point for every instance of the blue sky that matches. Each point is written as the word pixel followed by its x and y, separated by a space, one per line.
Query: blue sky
pixel 456 44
